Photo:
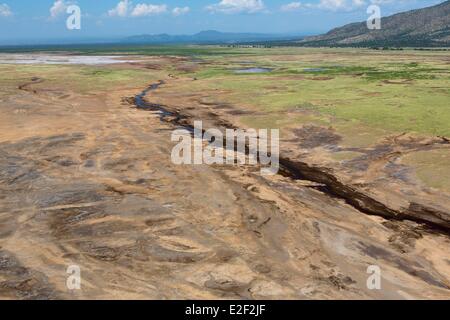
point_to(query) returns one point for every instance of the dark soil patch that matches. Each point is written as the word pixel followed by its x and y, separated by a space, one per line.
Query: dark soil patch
pixel 313 136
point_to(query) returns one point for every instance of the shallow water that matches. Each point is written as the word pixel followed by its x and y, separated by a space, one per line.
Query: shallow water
pixel 253 70
pixel 314 69
pixel 59 59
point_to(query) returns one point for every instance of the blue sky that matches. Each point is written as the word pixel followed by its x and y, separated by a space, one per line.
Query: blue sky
pixel 45 19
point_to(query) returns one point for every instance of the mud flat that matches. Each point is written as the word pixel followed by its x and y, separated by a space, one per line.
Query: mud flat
pixel 59 59
pixel 86 179
pixel 430 207
pixel 344 124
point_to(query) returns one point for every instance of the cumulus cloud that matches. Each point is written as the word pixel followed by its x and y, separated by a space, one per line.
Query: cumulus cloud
pixel 339 5
pixel 237 6
pixel 387 1
pixel 125 8
pixel 333 4
pixel 329 5
pixel 121 10
pixel 293 6
pixel 59 7
pixel 5 11
pixel 178 11
pixel 143 9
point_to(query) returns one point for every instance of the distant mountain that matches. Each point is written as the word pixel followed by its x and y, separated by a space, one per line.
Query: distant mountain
pixel 428 27
pixel 205 37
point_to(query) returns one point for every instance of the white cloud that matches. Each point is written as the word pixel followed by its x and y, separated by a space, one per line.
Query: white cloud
pixel 333 4
pixel 237 6
pixel 293 6
pixel 59 7
pixel 338 5
pixel 342 5
pixel 121 10
pixel 125 9
pixel 143 9
pixel 178 11
pixel 5 11
pixel 385 1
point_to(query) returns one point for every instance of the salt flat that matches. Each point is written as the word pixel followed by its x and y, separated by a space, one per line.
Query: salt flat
pixel 50 59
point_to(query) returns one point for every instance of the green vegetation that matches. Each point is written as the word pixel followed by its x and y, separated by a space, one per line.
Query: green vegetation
pixel 362 95
pixel 148 50
pixel 84 79
pixel 391 91
pixel 379 91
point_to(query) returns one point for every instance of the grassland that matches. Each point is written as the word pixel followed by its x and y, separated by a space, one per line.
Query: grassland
pixel 86 180
pixel 82 79
pixel 402 92
pixel 363 95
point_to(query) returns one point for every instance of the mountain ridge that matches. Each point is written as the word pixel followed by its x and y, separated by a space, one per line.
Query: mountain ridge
pixel 427 27
pixel 205 37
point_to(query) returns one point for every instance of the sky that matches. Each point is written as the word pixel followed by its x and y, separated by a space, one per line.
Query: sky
pixel 34 20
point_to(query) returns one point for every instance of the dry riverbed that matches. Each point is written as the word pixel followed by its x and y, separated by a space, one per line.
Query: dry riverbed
pixel 86 179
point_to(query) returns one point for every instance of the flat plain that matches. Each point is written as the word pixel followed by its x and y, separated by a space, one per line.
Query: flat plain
pixel 86 177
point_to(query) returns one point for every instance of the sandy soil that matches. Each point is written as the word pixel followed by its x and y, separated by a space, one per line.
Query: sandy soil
pixel 375 181
pixel 87 180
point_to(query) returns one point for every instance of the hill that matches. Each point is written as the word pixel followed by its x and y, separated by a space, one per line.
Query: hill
pixel 427 27
pixel 204 37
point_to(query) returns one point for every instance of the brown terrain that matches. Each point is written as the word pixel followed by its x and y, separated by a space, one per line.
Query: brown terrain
pixel 87 180
pixel 375 182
